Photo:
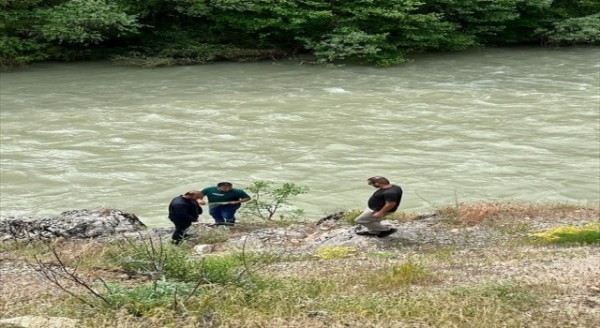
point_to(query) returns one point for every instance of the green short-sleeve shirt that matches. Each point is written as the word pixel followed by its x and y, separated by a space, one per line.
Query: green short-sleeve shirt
pixel 215 195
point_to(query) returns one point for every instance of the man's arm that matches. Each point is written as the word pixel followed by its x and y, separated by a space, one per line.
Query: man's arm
pixel 386 208
pixel 201 199
pixel 239 201
pixel 243 198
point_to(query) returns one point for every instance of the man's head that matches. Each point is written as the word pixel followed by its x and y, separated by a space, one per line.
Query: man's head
pixel 378 181
pixel 193 194
pixel 224 186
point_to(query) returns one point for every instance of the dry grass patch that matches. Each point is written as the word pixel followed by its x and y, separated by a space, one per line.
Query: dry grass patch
pixel 89 255
pixel 475 213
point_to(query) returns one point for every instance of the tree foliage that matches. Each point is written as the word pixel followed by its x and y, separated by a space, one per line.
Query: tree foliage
pixel 85 22
pixel 375 32
pixel 574 31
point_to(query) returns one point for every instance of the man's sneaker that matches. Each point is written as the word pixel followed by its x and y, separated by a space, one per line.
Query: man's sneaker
pixel 367 233
pixel 387 233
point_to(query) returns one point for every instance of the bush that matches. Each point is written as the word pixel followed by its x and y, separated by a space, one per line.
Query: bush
pixel 154 259
pixel 142 299
pixel 151 258
pixel 219 269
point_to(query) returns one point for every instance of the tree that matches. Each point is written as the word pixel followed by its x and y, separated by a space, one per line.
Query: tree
pixel 85 22
pixel 32 30
pixel 266 200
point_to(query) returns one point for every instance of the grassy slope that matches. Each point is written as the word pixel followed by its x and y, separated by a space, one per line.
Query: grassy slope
pixel 509 282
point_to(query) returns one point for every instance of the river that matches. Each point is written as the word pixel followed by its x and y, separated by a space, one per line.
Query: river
pixel 506 124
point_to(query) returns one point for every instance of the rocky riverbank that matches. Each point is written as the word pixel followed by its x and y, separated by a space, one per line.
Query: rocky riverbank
pixel 464 262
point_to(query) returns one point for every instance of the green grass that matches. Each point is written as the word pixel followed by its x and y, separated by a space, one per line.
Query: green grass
pixel 588 234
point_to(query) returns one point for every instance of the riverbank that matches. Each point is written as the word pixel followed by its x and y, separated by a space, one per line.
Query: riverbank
pixel 472 265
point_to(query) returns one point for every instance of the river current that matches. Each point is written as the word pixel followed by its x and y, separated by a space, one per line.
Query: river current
pixel 499 124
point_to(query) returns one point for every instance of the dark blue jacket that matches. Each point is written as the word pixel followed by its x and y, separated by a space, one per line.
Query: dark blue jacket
pixel 183 209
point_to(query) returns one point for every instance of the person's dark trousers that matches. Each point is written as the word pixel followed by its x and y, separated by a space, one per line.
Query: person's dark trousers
pixel 181 225
pixel 224 214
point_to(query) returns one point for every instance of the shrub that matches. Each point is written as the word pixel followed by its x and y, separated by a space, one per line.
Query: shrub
pixel 159 261
pixel 142 299
pixel 220 269
pixel 151 258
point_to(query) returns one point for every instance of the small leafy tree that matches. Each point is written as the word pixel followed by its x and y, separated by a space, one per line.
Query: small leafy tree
pixel 266 199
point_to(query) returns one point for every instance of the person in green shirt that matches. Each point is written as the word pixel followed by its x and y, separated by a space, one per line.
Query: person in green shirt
pixel 223 202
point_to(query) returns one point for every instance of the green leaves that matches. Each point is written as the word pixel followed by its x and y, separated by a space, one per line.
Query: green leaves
pixel 86 22
pixel 574 30
pixel 266 200
pixel 345 43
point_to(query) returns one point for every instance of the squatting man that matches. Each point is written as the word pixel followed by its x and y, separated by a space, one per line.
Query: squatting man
pixel 384 201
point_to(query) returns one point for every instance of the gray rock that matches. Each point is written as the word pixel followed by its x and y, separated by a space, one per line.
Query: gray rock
pixel 267 238
pixel 203 249
pixel 76 224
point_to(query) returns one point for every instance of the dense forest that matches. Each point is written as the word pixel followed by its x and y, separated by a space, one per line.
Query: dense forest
pixel 374 32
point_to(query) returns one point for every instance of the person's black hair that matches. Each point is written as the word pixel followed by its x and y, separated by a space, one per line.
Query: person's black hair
pixel 379 179
pixel 224 184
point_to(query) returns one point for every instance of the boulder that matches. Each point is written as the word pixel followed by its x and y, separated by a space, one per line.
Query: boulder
pixel 203 249
pixel 76 224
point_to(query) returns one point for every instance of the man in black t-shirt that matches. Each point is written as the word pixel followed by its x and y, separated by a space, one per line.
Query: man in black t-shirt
pixel 385 200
